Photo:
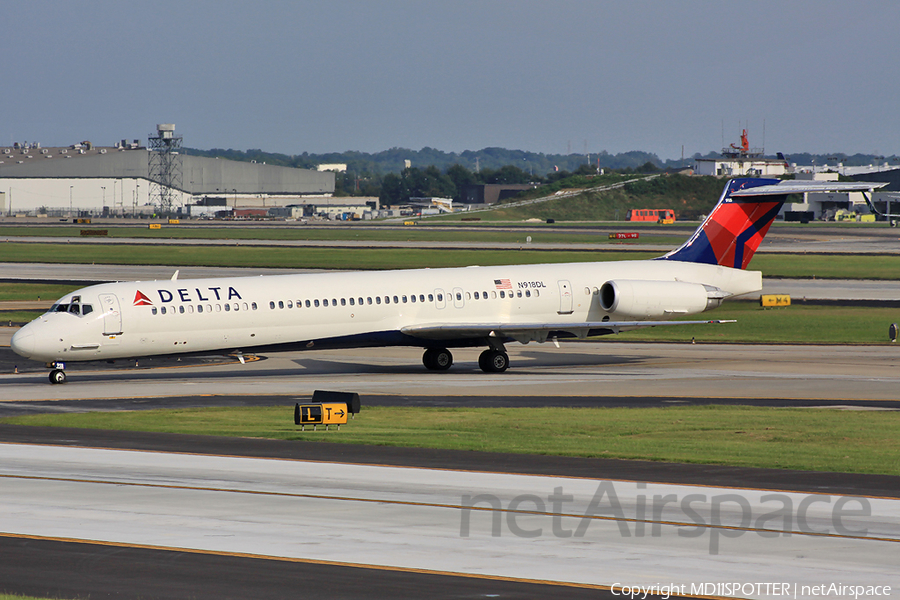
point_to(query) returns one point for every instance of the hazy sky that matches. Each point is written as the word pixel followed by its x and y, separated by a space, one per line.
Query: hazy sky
pixel 539 75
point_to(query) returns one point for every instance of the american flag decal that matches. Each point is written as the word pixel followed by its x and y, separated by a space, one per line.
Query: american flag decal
pixel 502 284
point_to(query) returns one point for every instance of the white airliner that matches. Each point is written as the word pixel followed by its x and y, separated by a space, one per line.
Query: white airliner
pixel 435 309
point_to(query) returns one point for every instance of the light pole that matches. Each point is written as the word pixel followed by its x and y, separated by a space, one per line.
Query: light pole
pixel 103 187
pixel 70 200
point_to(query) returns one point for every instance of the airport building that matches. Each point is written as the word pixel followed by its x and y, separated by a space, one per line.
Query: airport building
pixel 87 180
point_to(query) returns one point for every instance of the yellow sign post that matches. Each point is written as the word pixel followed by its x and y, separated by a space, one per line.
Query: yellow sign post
pixel 770 300
pixel 327 408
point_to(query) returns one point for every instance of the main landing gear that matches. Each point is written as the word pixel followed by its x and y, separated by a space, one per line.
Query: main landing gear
pixel 492 360
pixel 58 375
pixel 437 359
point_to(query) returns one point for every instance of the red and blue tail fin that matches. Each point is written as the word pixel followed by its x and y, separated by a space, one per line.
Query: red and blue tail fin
pixel 736 226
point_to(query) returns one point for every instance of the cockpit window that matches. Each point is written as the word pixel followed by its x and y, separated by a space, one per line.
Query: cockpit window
pixel 73 308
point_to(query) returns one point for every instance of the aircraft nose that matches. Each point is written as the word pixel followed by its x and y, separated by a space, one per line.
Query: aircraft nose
pixel 22 343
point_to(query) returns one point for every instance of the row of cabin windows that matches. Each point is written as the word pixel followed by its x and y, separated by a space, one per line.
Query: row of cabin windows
pixel 207 308
pixel 400 299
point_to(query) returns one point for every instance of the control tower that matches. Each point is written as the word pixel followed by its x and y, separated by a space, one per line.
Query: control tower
pixel 165 168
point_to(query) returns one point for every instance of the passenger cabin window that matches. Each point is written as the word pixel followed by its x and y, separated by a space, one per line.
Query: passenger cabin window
pixel 227 307
pixel 413 298
pixel 325 302
pixel 377 299
pixel 307 304
pixel 344 301
pixel 153 311
pixel 316 302
pixel 280 304
pixel 476 295
pixel 271 305
pixel 431 297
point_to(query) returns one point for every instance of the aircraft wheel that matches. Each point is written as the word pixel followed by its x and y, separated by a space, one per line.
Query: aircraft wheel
pixel 437 359
pixel 493 361
pixel 57 376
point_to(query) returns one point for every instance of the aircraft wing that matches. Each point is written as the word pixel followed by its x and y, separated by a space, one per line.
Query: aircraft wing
pixel 535 332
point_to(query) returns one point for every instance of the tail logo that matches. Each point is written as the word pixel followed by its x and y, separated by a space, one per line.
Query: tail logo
pixel 735 228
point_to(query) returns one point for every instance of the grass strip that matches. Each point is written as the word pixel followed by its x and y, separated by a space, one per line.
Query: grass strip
pixel 772 265
pixel 783 438
pixel 364 234
pixel 799 323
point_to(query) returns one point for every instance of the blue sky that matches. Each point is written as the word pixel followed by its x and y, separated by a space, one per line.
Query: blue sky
pixel 544 76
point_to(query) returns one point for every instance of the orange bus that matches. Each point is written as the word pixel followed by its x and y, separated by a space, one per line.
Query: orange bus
pixel 655 215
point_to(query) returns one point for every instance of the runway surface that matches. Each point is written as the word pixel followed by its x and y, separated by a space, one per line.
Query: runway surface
pixel 389 522
pixel 452 532
pixel 589 369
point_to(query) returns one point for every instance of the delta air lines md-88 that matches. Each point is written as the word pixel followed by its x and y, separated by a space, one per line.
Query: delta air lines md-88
pixel 434 309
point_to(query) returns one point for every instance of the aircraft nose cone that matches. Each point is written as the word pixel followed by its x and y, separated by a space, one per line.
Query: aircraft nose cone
pixel 22 343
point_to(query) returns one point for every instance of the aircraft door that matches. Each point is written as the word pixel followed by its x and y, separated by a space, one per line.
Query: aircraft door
pixel 565 298
pixel 439 300
pixel 458 298
pixel 112 315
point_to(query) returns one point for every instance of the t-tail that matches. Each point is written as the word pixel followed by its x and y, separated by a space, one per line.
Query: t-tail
pixel 734 229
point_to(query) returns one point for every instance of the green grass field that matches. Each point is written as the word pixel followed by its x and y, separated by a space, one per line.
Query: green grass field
pixel 418 233
pixel 772 265
pixel 816 439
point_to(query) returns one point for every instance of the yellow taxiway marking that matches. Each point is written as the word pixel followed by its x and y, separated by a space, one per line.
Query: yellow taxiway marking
pixel 333 563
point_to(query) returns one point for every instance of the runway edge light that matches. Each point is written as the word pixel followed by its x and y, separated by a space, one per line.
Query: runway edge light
pixel 327 408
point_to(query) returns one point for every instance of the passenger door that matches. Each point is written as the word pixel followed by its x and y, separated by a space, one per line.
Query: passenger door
pixel 112 315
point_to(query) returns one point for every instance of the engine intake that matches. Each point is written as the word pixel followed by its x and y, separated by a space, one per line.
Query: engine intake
pixel 642 299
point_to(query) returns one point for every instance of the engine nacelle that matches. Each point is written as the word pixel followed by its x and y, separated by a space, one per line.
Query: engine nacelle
pixel 642 299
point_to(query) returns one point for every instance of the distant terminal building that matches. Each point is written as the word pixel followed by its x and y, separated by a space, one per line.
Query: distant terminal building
pixel 824 205
pixel 83 179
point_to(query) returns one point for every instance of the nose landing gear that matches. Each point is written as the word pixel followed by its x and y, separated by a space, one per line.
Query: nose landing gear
pixel 58 375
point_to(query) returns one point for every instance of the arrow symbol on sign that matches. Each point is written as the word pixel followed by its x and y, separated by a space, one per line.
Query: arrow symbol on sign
pixel 339 413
